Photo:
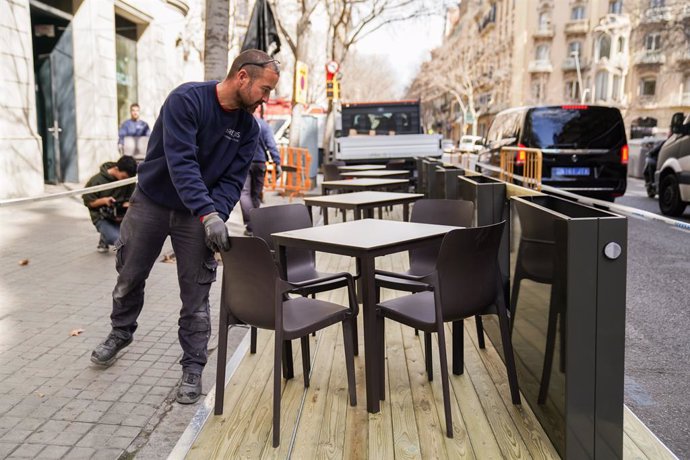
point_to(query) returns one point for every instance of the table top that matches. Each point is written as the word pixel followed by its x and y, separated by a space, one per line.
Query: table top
pixel 360 235
pixel 362 198
pixel 377 173
pixel 360 167
pixel 365 182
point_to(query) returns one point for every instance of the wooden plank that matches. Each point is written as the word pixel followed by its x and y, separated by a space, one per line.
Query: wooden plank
pixel 503 427
pixel 529 428
pixel 644 439
pixel 406 441
pixel 630 449
pixel 208 443
pixel 429 428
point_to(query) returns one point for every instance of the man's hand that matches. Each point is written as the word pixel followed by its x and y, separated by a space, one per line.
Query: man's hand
pixel 217 238
pixel 279 170
pixel 100 202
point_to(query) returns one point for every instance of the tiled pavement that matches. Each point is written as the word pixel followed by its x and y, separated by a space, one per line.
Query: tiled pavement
pixel 53 402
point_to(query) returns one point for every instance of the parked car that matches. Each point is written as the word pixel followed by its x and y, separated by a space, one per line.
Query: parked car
pixel 470 144
pixel 584 147
pixel 672 176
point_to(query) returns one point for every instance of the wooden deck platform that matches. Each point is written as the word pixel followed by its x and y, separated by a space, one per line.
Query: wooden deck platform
pixel 318 422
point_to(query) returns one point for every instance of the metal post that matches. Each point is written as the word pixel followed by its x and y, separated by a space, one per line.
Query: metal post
pixel 576 55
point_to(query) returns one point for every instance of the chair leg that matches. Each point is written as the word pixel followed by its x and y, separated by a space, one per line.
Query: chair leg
pixel 252 340
pixel 352 298
pixel 514 297
pixel 306 356
pixel 427 356
pixel 222 362
pixel 458 347
pixel 276 389
pixel 508 352
pixel 288 369
pixel 381 330
pixel 416 332
pixel 445 384
pixel 480 331
pixel 348 342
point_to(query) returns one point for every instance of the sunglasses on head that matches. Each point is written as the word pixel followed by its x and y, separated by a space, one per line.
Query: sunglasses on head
pixel 260 64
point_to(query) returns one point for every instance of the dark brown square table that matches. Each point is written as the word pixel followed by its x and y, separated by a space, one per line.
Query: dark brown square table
pixel 360 185
pixel 365 240
pixel 360 167
pixel 362 203
pixel 378 173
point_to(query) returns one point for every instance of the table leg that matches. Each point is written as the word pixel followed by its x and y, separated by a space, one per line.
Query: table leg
pixel 324 209
pixel 310 216
pixel 406 212
pixel 371 363
pixel 369 213
pixel 357 213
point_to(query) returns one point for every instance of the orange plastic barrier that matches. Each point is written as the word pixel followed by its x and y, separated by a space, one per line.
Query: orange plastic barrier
pixel 295 180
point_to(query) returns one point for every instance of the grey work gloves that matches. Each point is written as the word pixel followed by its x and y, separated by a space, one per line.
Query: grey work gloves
pixel 217 238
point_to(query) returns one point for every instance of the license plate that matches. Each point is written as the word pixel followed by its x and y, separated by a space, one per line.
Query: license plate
pixel 570 172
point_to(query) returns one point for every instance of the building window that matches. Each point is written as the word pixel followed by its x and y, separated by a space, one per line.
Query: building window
pixel 657 3
pixel 575 47
pixel 652 42
pixel 578 12
pixel 125 66
pixel 648 86
pixel 538 91
pixel 604 47
pixel 686 89
pixel 544 21
pixel 572 90
pixel 542 53
pixel 601 86
pixel 616 88
pixel 621 45
pixel 616 7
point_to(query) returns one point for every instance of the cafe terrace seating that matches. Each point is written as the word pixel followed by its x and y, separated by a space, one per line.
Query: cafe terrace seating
pixel 253 293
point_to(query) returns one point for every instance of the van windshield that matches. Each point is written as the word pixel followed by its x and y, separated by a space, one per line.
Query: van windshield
pixel 574 128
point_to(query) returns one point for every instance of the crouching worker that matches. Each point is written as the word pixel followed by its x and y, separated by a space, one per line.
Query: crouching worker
pixel 107 208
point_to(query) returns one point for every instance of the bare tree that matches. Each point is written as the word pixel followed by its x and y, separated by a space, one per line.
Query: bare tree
pixel 367 77
pixel 216 39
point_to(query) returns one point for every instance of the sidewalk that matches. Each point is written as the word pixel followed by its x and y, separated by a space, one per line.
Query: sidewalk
pixel 53 402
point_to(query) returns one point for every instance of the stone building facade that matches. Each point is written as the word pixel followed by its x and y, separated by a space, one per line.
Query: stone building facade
pixel 631 54
pixel 69 70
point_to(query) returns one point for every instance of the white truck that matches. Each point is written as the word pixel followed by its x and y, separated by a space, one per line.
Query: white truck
pixel 376 132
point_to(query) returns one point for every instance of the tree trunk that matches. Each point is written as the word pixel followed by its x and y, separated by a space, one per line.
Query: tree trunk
pixel 301 54
pixel 216 39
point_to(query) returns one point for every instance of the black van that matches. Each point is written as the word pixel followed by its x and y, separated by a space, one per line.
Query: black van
pixel 584 148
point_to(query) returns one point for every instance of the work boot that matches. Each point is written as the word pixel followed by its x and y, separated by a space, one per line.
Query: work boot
pixel 106 352
pixel 102 246
pixel 189 390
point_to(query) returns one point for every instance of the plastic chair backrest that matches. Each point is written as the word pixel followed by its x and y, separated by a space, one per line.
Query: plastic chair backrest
pixel 440 212
pixel 283 218
pixel 249 282
pixel 468 273
pixel 331 172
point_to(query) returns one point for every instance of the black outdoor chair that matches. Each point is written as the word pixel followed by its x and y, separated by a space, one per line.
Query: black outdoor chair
pixel 536 261
pixel 422 260
pixel 253 293
pixel 301 263
pixel 465 282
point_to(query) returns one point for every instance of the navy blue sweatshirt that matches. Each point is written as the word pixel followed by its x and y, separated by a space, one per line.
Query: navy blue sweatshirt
pixel 198 154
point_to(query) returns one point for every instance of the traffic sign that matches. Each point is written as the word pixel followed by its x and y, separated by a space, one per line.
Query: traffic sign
pixel 301 75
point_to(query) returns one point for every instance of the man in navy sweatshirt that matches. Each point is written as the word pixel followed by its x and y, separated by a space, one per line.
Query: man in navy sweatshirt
pixel 196 163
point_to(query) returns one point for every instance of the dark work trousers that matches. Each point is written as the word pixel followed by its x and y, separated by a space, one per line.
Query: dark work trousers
pixel 251 192
pixel 142 234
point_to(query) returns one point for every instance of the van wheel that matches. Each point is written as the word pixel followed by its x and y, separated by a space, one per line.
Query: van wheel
pixel 670 203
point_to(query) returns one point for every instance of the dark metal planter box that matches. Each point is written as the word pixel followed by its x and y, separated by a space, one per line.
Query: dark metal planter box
pixel 568 265
pixel 446 182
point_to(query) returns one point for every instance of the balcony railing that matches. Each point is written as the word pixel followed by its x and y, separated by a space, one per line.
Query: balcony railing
pixel 650 58
pixel 540 66
pixel 577 26
pixel 685 12
pixel 569 64
pixel 657 14
pixel 683 57
pixel 544 32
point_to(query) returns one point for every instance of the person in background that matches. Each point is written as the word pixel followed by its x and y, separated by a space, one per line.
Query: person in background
pixel 134 127
pixel 253 187
pixel 107 206
pixel 196 164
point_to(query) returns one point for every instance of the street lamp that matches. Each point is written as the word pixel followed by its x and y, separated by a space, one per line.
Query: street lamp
pixel 576 56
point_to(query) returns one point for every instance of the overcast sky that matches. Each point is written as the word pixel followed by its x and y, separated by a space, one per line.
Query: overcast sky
pixel 407 45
